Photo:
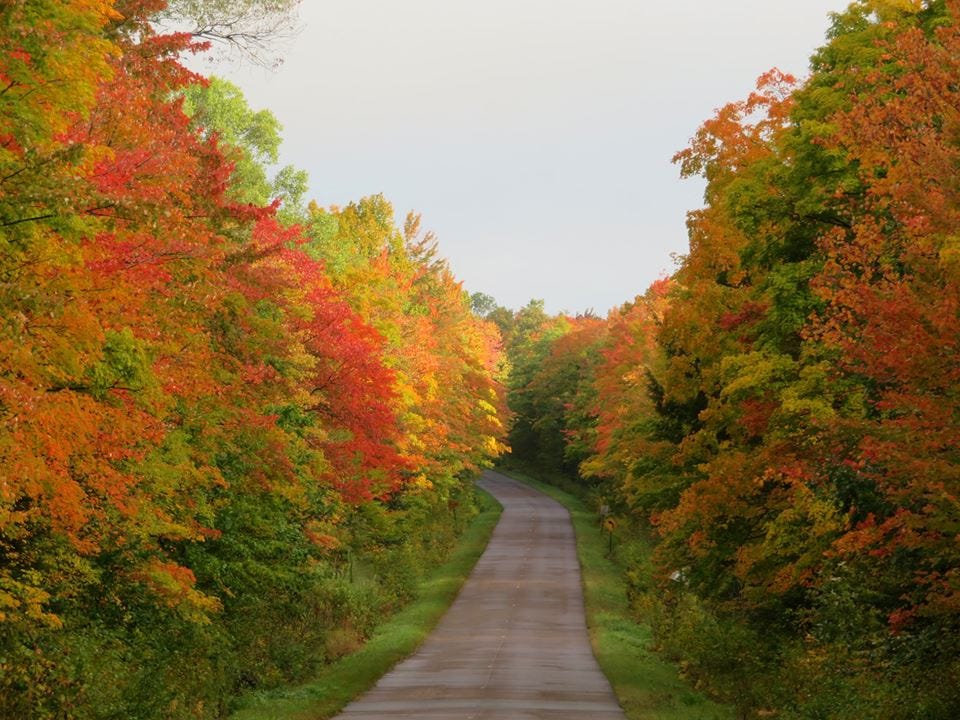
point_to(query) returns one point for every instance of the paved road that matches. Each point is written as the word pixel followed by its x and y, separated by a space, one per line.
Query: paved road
pixel 514 644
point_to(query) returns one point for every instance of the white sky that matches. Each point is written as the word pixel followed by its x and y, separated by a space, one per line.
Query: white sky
pixel 535 136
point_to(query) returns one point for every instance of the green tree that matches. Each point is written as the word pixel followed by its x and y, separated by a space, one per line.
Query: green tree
pixel 251 139
pixel 482 304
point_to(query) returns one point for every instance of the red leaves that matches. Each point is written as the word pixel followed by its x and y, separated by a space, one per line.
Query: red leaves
pixel 749 313
pixel 796 410
pixel 891 299
pixel 354 390
pixel 756 415
pixel 18 54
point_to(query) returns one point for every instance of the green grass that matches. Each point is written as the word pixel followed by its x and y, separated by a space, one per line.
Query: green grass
pixel 647 687
pixel 398 637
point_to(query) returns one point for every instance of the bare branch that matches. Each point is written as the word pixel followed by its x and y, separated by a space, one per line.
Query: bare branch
pixel 250 29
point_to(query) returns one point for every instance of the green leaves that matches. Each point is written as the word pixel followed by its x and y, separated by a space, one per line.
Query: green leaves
pixel 123 365
pixel 251 139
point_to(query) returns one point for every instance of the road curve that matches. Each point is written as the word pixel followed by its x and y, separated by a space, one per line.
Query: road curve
pixel 514 643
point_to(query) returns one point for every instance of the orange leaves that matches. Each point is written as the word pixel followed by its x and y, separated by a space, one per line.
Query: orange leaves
pixel 323 535
pixel 629 359
pixel 176 587
pixel 740 132
pixel 791 409
pixel 63 463
pixel 788 415
pixel 106 285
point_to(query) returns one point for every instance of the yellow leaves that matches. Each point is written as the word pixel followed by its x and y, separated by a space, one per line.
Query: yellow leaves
pixel 950 256
pixel 490 411
pixel 796 538
pixel 409 394
pixel 883 8
pixel 444 359
pixel 20 601
pixel 493 447
pixel 421 483
pixel 750 372
pixel 811 397
pixel 54 70
pixel 7 602
pixel 175 586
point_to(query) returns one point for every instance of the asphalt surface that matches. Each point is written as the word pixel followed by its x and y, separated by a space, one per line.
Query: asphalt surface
pixel 514 643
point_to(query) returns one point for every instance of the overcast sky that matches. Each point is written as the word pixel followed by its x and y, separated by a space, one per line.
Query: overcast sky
pixel 534 136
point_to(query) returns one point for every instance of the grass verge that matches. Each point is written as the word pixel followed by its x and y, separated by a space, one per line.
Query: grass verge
pixel 398 637
pixel 647 687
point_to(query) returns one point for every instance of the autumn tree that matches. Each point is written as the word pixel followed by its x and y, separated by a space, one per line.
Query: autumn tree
pixel 809 258
pixel 784 414
pixel 198 426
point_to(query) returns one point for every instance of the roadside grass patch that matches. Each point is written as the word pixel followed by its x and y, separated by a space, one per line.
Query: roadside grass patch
pixel 339 683
pixel 647 687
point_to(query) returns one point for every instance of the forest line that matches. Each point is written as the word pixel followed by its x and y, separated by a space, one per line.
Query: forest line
pixel 228 446
pixel 780 419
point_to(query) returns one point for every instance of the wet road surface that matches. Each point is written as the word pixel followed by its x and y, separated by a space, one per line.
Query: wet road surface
pixel 514 644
